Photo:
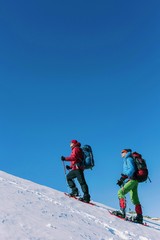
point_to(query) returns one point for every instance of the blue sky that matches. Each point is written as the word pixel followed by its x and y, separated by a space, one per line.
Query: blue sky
pixel 85 70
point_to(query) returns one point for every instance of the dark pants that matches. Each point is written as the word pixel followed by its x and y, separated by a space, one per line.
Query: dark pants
pixel 80 177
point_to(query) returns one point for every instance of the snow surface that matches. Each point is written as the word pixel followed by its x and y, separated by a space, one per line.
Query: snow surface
pixel 30 211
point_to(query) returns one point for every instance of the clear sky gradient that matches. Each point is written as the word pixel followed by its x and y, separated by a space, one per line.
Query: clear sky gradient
pixel 86 70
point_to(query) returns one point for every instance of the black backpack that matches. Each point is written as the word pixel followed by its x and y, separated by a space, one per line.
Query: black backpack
pixel 88 159
pixel 141 173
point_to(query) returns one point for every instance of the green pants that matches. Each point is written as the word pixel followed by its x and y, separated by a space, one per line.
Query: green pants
pixel 132 187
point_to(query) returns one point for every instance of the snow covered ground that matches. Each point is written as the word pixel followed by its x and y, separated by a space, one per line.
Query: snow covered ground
pixel 29 211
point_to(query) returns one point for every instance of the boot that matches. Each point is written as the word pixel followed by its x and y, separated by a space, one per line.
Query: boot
pixel 120 213
pixel 85 198
pixel 74 193
pixel 138 219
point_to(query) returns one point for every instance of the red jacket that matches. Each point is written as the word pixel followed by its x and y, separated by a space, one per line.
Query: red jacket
pixel 75 157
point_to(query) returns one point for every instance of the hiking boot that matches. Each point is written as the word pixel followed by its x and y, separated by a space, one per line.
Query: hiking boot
pixel 74 193
pixel 138 218
pixel 84 200
pixel 119 213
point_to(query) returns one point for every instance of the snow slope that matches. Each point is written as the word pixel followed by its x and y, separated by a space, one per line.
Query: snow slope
pixel 33 212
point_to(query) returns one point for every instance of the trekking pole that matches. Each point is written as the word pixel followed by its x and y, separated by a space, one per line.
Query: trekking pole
pixel 64 166
pixel 149 179
pixel 125 198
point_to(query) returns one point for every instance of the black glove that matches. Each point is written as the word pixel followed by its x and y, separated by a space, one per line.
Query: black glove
pixel 62 158
pixel 121 180
pixel 68 167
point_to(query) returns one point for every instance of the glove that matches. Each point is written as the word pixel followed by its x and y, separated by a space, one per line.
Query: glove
pixel 121 180
pixel 68 167
pixel 62 158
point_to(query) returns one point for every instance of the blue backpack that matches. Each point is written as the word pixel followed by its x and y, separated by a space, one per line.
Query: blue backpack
pixel 88 159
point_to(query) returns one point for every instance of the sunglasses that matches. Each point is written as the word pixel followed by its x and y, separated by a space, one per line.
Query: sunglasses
pixel 123 151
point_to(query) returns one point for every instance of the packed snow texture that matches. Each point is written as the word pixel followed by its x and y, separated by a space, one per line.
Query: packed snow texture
pixel 30 211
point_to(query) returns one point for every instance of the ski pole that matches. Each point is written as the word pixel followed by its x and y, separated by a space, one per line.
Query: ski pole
pixel 64 166
pixel 125 198
pixel 149 179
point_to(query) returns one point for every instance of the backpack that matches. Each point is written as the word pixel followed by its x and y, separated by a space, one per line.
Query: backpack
pixel 88 159
pixel 142 171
